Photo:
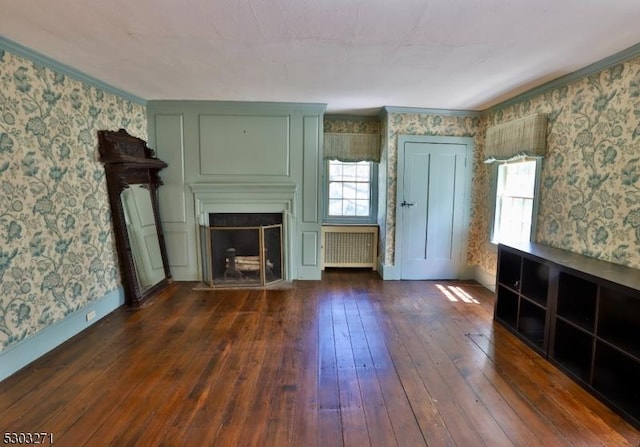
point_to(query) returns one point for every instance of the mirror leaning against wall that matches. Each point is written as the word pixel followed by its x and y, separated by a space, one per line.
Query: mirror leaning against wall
pixel 132 173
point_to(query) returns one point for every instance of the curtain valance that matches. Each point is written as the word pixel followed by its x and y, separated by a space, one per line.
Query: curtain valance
pixel 352 147
pixel 521 138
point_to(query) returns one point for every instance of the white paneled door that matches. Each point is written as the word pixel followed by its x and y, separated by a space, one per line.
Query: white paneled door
pixel 431 206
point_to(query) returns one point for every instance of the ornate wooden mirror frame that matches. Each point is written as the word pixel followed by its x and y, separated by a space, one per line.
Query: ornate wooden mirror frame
pixel 128 163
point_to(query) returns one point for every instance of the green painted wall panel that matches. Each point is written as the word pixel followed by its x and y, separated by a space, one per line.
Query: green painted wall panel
pixel 311 169
pixel 244 145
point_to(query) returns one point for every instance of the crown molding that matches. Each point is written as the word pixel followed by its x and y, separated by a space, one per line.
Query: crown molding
pixel 589 70
pixel 348 117
pixel 419 110
pixel 27 53
pixel 240 107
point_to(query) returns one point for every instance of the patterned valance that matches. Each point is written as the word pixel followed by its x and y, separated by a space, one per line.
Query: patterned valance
pixel 522 138
pixel 352 147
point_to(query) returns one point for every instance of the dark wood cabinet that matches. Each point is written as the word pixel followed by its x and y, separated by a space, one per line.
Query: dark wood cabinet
pixel 580 313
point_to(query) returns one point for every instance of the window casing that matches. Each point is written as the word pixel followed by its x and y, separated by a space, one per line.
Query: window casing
pixel 515 195
pixel 350 192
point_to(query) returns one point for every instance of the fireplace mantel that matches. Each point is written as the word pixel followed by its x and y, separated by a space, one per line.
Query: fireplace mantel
pixel 250 198
pixel 243 198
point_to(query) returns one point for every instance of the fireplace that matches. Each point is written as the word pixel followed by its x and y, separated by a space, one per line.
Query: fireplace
pixel 257 221
pixel 242 249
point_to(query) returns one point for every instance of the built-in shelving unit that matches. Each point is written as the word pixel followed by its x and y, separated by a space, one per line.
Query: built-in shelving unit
pixel 523 297
pixel 580 313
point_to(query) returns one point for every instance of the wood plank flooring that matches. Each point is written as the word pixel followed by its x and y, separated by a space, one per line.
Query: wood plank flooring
pixel 347 361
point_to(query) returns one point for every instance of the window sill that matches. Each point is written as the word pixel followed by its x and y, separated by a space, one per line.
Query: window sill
pixel 349 222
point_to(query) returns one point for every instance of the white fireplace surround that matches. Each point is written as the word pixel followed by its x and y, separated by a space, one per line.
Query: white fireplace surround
pixel 250 198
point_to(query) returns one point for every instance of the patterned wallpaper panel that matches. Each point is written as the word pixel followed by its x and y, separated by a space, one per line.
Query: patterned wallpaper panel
pixel 590 185
pixel 332 125
pixel 57 252
pixel 590 192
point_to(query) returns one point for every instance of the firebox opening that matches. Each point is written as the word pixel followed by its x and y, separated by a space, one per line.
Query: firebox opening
pixel 243 249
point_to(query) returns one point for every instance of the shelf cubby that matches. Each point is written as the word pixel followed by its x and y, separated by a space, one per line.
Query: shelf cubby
pixel 535 281
pixel 507 307
pixel 616 377
pixel 618 321
pixel 509 265
pixel 573 349
pixel 531 322
pixel 577 300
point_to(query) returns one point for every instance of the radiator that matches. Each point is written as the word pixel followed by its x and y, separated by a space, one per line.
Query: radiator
pixel 349 246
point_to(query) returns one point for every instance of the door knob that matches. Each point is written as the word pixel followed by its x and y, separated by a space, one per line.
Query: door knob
pixel 405 203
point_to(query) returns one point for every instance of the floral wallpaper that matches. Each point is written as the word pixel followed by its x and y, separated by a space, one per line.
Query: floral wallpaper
pixel 590 185
pixel 355 125
pixel 57 253
pixel 590 192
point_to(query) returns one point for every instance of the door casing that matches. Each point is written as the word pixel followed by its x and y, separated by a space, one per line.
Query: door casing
pixel 468 171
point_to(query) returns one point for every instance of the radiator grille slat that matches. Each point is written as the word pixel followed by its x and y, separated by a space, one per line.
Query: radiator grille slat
pixel 350 246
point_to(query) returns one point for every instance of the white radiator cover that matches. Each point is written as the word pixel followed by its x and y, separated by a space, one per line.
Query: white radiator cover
pixel 349 246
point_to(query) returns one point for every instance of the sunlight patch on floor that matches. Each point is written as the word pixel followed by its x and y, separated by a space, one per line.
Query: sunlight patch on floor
pixel 456 294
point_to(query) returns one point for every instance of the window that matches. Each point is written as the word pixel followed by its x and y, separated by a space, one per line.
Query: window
pixel 350 191
pixel 515 201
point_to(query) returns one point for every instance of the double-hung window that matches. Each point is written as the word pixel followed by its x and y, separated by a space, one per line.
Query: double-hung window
pixel 350 174
pixel 516 150
pixel 515 201
pixel 350 191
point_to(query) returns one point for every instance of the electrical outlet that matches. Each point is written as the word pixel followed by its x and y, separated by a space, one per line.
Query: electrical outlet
pixel 91 315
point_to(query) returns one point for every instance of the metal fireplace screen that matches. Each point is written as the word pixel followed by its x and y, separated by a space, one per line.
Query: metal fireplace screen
pixel 241 256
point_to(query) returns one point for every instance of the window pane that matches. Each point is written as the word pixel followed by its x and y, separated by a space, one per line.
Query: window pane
pixel 335 170
pixel 335 190
pixel 519 178
pixel 348 208
pixel 335 207
pixel 348 172
pixel 362 191
pixel 362 208
pixel 363 171
pixel 349 190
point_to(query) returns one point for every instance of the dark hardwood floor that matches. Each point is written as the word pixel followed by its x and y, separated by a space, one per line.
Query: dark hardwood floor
pixel 350 360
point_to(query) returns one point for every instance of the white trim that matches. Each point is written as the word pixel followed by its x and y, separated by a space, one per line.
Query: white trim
pixel 388 272
pixel 351 220
pixel 23 353
pixel 467 272
pixel 426 111
pixel 536 198
pixel 487 279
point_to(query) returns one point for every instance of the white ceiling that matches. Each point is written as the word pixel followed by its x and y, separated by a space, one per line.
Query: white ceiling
pixel 353 55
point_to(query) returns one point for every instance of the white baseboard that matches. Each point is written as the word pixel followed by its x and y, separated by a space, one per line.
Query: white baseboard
pixel 485 278
pixel 392 272
pixel 35 346
pixel 388 272
pixel 467 272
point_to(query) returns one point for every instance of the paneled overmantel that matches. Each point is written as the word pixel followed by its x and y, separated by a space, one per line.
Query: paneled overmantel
pixel 234 157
